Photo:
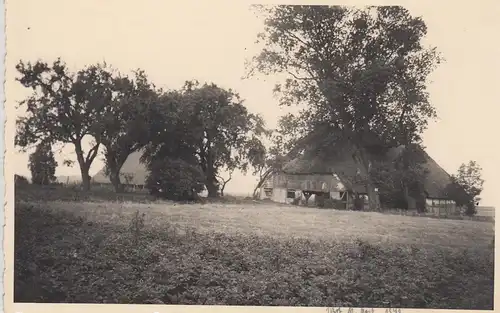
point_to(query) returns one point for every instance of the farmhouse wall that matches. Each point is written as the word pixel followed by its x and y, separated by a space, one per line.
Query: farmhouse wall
pixel 441 207
pixel 279 195
pixel 336 195
pixel 279 187
pixel 312 182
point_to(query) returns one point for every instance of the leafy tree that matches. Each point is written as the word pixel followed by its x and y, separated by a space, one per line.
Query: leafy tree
pixel 466 186
pixel 124 122
pixel 64 107
pixel 469 176
pixel 412 172
pixel 223 181
pixel 282 149
pixel 226 135
pixel 171 152
pixel 42 165
pixel 400 178
pixel 175 179
pixel 361 73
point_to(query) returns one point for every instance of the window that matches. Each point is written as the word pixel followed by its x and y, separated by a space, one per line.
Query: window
pixel 290 194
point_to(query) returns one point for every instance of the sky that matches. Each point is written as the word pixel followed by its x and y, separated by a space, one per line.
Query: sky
pixel 210 41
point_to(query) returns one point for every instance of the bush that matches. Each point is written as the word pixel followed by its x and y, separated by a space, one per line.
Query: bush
pixel 358 204
pixel 334 204
pixel 175 180
pixel 64 258
pixel 37 193
pixel 470 209
pixel 394 199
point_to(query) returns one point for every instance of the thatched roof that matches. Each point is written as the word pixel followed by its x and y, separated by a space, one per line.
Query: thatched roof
pixel 132 168
pixel 339 164
pixel 344 165
pixel 437 178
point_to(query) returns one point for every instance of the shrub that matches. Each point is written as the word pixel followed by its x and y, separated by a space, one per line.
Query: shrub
pixel 175 180
pixel 358 204
pixel 334 204
pixel 320 199
pixel 37 193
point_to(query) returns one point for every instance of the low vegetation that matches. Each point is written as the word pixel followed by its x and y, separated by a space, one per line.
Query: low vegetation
pixel 129 252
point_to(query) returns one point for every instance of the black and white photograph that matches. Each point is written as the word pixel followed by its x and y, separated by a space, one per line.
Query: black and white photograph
pixel 339 156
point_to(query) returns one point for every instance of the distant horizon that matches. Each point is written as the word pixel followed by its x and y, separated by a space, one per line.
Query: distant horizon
pixel 229 192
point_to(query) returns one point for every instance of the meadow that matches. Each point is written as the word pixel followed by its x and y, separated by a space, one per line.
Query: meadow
pixel 103 248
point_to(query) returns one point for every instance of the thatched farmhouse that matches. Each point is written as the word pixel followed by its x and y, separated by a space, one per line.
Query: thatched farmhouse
pixel 133 173
pixel 308 179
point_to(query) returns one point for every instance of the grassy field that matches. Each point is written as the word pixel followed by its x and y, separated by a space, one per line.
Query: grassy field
pixel 132 249
pixel 283 222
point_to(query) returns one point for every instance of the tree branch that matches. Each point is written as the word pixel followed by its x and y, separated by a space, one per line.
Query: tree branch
pixel 91 154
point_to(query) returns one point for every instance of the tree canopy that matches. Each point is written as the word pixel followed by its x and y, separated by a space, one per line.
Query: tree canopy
pixel 63 107
pixel 170 154
pixel 361 72
pixel 466 186
pixel 203 126
pixel 282 149
pixel 124 123
pixel 227 136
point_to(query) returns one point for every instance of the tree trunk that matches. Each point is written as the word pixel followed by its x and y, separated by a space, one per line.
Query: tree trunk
pixel 86 181
pixel 224 186
pixel 114 177
pixel 254 194
pixel 420 198
pixel 261 182
pixel 409 199
pixel 373 197
pixel 210 174
pixel 358 203
pixel 113 167
pixel 365 165
pixel 85 162
pixel 84 168
pixel 212 183
pixel 212 189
